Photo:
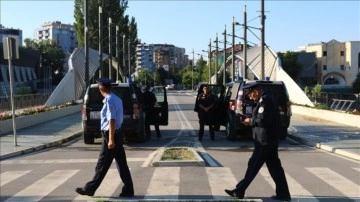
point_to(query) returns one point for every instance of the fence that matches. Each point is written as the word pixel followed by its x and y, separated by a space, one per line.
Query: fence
pixel 338 101
pixel 23 101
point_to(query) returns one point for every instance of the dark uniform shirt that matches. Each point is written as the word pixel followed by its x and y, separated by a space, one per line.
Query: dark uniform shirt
pixel 265 117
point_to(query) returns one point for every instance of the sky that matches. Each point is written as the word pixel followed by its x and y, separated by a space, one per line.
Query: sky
pixel 192 24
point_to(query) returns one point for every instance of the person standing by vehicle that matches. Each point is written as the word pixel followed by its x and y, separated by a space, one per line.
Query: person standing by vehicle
pixel 206 103
pixel 265 120
pixel 151 113
pixel 112 145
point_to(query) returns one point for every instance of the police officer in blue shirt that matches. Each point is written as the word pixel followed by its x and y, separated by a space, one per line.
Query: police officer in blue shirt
pixel 265 122
pixel 112 144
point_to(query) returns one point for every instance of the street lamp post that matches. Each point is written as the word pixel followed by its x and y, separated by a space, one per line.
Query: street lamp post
pixel 224 70
pixel 129 58
pixel 110 53
pixel 117 53
pixel 123 50
pixel 100 42
pixel 192 72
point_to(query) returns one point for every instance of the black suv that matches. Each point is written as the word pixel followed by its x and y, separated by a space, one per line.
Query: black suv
pixel 133 125
pixel 235 104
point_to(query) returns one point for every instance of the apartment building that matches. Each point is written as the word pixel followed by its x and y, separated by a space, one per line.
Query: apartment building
pixel 338 63
pixel 153 56
pixel 62 34
pixel 10 32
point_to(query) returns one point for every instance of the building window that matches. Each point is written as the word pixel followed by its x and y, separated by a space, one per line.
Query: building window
pixel 324 67
pixel 324 53
pixel 342 67
pixel 342 53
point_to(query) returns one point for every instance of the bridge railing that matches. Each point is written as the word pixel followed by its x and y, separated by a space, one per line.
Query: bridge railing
pixel 338 101
pixel 23 101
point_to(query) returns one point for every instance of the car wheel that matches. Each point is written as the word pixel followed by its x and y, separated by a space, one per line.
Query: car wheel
pixel 88 139
pixel 230 131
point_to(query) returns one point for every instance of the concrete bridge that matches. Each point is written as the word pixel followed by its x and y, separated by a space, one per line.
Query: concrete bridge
pixel 72 86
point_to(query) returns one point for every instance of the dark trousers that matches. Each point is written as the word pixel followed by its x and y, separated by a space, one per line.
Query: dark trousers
pixel 265 154
pixel 148 131
pixel 203 118
pixel 104 162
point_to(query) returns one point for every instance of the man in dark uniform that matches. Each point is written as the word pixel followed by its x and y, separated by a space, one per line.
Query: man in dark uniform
pixel 206 103
pixel 151 113
pixel 112 144
pixel 264 120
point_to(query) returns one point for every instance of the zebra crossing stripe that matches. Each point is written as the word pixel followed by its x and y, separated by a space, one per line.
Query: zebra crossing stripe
pixel 164 183
pixel 9 176
pixel 43 187
pixel 358 169
pixel 296 189
pixel 53 161
pixel 338 182
pixel 219 179
pixel 107 187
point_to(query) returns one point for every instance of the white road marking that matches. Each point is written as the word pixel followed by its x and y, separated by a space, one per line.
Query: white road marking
pixel 107 187
pixel 337 181
pixel 164 183
pixel 219 178
pixel 44 186
pixel 54 161
pixel 9 176
pixel 297 191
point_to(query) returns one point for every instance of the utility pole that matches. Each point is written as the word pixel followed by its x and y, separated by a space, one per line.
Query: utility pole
pixel 117 53
pixel 216 56
pixel 123 53
pixel 210 57
pixel 129 58
pixel 86 44
pixel 192 71
pixel 233 51
pixel 245 44
pixel 110 53
pixel 100 42
pixel 262 41
pixel 224 70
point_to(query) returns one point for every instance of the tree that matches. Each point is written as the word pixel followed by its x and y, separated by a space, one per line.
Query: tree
pixel 115 9
pixel 289 64
pixel 52 57
pixel 356 84
pixel 144 77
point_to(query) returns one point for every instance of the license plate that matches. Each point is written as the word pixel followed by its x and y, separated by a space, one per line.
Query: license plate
pixel 248 110
pixel 95 115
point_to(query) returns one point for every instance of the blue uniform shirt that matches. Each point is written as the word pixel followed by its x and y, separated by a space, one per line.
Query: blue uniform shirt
pixel 112 109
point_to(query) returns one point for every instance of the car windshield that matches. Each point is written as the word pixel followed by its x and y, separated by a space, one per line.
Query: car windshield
pixel 95 97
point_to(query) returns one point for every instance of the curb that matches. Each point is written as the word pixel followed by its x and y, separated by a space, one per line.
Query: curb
pixel 41 147
pixel 325 147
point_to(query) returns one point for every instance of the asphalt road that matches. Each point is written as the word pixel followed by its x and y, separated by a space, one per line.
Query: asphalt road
pixel 312 174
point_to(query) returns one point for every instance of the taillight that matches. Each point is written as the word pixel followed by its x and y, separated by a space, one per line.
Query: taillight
pixel 83 113
pixel 136 111
pixel 239 106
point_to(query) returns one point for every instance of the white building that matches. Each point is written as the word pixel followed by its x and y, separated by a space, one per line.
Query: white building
pixel 62 34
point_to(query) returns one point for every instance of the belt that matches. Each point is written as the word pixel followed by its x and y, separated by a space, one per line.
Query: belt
pixel 107 131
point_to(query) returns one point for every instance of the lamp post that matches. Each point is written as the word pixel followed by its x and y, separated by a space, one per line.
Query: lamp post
pixel 129 58
pixel 100 42
pixel 192 71
pixel 117 53
pixel 123 50
pixel 110 52
pixel 224 56
pixel 86 44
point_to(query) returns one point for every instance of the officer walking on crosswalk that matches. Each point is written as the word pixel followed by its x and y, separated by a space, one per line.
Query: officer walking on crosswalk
pixel 112 144
pixel 264 120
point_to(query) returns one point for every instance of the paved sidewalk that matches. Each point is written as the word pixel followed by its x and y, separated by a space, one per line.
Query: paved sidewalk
pixel 41 136
pixel 54 133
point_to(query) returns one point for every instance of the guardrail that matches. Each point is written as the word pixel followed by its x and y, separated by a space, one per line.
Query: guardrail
pixel 23 101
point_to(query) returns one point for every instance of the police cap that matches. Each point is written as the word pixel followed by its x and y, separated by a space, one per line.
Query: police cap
pixel 104 81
